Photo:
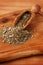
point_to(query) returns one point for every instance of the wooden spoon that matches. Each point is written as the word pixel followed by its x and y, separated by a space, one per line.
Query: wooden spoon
pixel 36 9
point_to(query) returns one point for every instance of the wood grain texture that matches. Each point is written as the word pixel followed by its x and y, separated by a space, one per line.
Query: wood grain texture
pixel 36 42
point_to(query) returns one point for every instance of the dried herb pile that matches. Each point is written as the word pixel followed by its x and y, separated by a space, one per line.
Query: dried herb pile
pixel 15 35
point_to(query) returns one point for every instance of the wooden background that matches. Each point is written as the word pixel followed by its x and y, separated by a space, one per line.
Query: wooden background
pixel 11 5
pixel 7 6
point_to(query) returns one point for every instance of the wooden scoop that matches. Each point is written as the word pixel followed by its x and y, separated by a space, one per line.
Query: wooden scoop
pixel 32 13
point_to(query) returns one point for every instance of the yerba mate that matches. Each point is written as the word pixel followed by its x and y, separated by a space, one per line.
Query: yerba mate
pixel 16 34
pixel 23 19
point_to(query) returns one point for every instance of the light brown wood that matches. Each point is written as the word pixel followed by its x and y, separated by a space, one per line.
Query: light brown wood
pixel 35 43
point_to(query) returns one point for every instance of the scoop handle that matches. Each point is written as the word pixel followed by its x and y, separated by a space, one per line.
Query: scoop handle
pixel 36 9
